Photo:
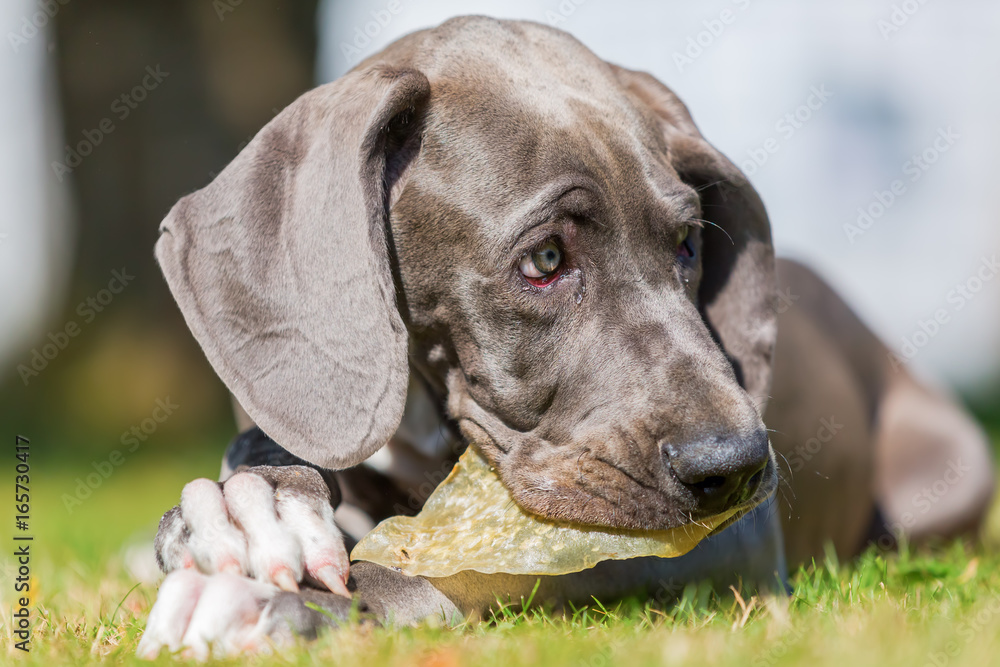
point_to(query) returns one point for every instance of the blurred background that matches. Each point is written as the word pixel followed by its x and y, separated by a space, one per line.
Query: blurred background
pixel 869 127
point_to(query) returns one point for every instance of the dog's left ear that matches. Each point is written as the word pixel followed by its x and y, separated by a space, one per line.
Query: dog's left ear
pixel 738 289
pixel 282 270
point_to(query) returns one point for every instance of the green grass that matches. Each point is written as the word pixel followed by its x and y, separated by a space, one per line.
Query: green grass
pixel 939 608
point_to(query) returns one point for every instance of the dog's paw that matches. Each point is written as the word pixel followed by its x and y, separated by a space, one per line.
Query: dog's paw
pixel 225 614
pixel 274 524
pixel 201 615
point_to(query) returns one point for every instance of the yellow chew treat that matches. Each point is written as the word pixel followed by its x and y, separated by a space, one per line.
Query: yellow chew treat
pixel 471 522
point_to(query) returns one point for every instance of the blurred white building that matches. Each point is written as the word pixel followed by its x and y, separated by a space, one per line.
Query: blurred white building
pixel 35 234
pixel 889 80
pixel 903 126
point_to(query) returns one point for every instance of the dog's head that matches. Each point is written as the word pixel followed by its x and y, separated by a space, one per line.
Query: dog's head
pixel 545 236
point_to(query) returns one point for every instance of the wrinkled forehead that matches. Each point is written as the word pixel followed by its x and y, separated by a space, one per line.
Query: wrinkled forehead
pixel 547 68
pixel 506 132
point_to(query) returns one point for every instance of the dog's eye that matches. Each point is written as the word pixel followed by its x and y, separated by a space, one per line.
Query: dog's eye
pixel 685 248
pixel 541 265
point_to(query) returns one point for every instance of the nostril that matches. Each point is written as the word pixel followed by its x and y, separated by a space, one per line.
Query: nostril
pixel 709 483
pixel 719 472
pixel 750 487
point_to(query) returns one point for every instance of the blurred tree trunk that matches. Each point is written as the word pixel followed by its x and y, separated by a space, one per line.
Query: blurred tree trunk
pixel 157 97
pixel 184 85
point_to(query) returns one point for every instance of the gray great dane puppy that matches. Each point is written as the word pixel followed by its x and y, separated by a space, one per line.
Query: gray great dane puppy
pixel 536 252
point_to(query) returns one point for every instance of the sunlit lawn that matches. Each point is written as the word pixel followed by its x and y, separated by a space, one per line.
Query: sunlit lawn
pixel 920 609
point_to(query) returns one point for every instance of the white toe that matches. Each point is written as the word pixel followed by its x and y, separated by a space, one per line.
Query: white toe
pixel 322 543
pixel 171 614
pixel 226 617
pixel 216 544
pixel 275 554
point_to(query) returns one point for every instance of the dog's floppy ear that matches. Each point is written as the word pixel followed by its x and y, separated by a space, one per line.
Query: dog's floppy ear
pixel 281 267
pixel 737 292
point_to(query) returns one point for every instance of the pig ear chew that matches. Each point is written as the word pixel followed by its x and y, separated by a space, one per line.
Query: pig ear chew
pixel 471 522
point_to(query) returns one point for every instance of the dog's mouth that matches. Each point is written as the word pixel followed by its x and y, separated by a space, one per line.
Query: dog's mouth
pixel 565 488
pixel 472 514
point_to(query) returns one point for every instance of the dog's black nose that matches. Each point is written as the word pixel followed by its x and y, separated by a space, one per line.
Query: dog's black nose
pixel 722 471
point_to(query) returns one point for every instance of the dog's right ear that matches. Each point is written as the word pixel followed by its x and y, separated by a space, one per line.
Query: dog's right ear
pixel 281 268
pixel 737 291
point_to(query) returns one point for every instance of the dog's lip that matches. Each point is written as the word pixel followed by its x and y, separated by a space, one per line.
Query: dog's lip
pixel 741 512
pixel 568 503
pixel 649 517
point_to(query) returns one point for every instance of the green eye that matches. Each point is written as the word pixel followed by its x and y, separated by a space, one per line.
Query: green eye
pixel 541 262
pixel 547 258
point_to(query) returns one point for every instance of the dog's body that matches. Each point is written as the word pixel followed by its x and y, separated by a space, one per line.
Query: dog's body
pixel 521 225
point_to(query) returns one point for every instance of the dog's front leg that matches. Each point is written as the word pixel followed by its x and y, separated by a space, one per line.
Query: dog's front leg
pixel 229 614
pixel 230 546
pixel 270 517
pixel 380 594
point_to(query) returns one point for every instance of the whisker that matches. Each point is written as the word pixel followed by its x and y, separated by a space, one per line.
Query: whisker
pixel 706 186
pixel 709 222
pixel 790 472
